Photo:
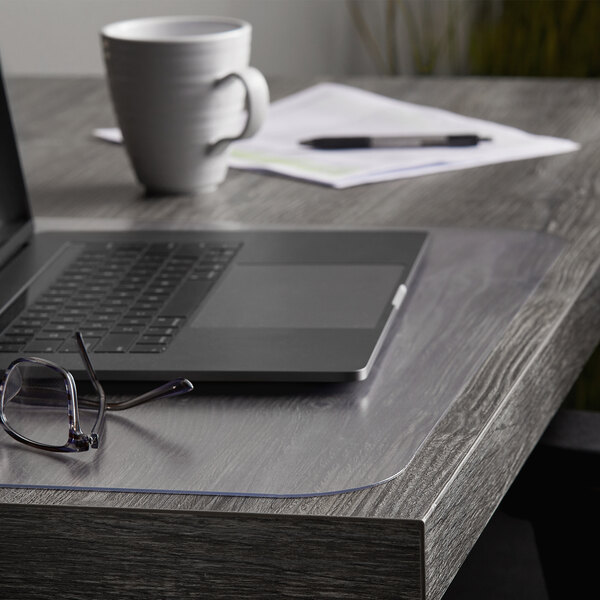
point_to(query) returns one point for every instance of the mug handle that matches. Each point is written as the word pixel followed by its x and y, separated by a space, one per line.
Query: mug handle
pixel 257 103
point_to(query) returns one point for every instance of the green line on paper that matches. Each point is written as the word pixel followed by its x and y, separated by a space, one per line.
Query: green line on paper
pixel 263 159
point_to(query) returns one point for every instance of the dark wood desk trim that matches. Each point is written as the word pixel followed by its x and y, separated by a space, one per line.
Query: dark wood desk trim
pixel 183 554
pixel 451 488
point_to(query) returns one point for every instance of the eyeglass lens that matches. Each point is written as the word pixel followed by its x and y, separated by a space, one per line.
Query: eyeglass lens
pixel 36 403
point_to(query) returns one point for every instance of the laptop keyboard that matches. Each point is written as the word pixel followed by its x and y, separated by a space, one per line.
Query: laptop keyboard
pixel 123 297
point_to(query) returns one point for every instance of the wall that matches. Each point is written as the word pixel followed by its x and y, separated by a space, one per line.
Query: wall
pixel 291 37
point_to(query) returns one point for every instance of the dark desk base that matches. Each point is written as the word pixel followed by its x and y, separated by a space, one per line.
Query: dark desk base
pixel 562 476
pixel 526 551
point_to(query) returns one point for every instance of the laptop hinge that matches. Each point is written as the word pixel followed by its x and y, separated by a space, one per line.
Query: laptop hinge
pixel 17 237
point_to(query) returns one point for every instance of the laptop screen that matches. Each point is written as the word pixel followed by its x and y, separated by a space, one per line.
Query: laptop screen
pixel 14 206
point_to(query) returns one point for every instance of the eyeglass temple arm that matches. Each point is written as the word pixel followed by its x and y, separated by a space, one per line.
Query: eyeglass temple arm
pixel 167 390
pixel 172 388
pixel 97 386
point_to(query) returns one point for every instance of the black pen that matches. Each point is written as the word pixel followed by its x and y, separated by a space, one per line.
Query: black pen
pixel 403 141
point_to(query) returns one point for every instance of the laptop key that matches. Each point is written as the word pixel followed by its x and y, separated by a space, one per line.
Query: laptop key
pixel 92 333
pixel 16 340
pixel 204 276
pixel 161 331
pixel 139 316
pixel 147 349
pixel 30 322
pixel 152 306
pixel 108 310
pixel 106 319
pixel 52 335
pixel 168 322
pixel 116 342
pixel 43 346
pixel 186 299
pixel 63 319
pixel 20 332
pixel 127 329
pixel 58 327
pixel 71 345
pixel 156 340
pixel 132 322
pixel 192 250
pixel 10 347
pixel 91 324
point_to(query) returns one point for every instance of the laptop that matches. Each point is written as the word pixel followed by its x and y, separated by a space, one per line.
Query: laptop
pixel 245 305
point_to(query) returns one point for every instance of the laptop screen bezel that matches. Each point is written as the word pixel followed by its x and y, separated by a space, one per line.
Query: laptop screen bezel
pixel 14 201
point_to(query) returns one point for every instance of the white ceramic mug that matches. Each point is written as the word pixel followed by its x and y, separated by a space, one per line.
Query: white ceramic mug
pixel 182 90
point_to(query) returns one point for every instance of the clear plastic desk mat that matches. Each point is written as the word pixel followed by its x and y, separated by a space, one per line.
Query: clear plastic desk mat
pixel 311 439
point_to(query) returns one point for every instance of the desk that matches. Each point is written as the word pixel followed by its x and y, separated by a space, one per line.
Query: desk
pixel 405 538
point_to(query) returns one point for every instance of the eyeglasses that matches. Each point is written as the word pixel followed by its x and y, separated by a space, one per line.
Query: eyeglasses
pixel 39 405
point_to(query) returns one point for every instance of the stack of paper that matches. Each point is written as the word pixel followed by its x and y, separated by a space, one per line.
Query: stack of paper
pixel 329 110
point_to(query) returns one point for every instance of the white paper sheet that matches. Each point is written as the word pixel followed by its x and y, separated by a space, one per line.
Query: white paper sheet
pixel 330 109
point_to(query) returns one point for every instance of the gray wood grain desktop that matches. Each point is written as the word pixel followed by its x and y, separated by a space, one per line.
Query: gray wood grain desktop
pixel 405 538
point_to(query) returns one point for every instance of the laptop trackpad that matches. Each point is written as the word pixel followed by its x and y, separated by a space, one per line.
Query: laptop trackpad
pixel 301 296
